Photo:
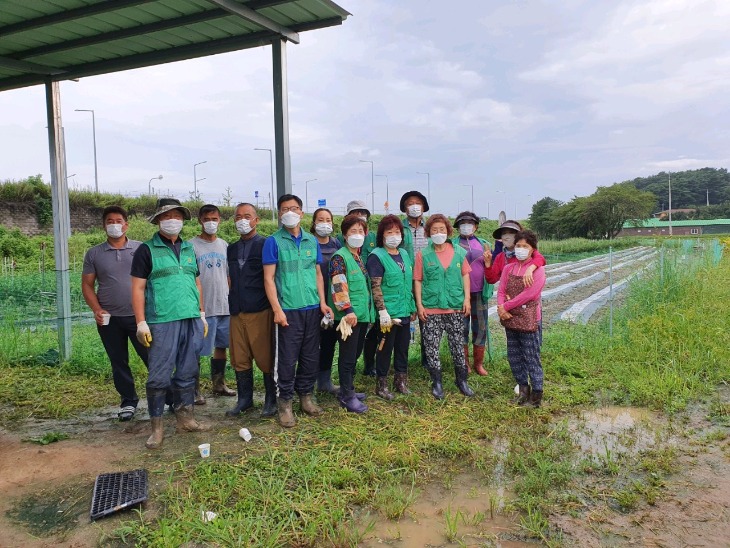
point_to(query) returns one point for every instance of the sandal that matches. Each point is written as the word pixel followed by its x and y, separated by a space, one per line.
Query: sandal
pixel 126 413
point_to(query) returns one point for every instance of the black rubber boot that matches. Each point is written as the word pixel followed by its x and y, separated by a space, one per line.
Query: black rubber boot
pixel 349 401
pixel 368 355
pixel 324 383
pixel 436 388
pixel 535 399
pixel 244 385
pixel 461 384
pixel 523 398
pixel 270 409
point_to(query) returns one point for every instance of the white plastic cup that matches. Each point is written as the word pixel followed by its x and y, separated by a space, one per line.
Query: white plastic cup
pixel 517 389
pixel 105 319
pixel 204 449
pixel 245 434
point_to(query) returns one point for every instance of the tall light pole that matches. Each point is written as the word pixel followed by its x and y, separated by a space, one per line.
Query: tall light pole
pixel 93 130
pixel 472 196
pixel 428 182
pixel 306 195
pixel 708 196
pixel 670 203
pixel 149 184
pixel 372 182
pixel 488 204
pixel 195 178
pixel 529 196
pixel 387 192
pixel 273 194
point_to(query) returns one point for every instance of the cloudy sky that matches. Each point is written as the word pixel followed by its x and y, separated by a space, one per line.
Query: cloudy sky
pixel 520 99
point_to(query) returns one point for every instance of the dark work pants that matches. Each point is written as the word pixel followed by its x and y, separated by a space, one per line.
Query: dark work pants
pixel 115 337
pixel 327 342
pixel 174 356
pixel 395 343
pixel 297 353
pixel 523 354
pixel 349 351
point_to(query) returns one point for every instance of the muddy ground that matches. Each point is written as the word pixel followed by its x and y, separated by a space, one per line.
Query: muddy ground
pixel 47 489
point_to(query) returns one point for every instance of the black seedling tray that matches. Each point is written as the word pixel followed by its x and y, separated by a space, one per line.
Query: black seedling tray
pixel 118 490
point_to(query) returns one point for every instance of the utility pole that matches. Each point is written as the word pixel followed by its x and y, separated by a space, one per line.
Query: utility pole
pixel 372 184
pixel 670 203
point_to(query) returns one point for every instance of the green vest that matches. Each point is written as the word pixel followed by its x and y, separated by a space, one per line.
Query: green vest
pixel 488 289
pixel 442 289
pixel 367 246
pixel 397 285
pixel 296 271
pixel 358 285
pixel 407 242
pixel 171 292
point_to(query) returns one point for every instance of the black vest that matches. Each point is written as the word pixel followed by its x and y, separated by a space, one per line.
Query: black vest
pixel 247 293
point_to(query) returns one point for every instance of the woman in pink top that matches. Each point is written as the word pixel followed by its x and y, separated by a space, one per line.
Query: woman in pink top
pixel 442 292
pixel 515 298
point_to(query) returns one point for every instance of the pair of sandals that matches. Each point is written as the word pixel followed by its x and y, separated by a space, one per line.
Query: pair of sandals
pixel 126 413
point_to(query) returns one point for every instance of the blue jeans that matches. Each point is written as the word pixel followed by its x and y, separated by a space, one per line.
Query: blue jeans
pixel 173 355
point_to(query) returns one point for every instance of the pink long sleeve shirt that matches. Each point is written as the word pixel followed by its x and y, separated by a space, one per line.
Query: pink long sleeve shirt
pixel 531 293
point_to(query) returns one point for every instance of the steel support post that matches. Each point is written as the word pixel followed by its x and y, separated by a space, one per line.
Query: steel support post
pixel 281 120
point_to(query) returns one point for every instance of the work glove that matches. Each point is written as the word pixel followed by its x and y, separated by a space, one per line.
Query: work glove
pixel 345 329
pixel 144 335
pixel 205 324
pixel 385 322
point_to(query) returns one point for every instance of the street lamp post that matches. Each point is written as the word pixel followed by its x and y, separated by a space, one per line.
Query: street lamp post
pixel 505 200
pixel 372 183
pixel 387 192
pixel 149 184
pixel 93 130
pixel 195 178
pixel 428 181
pixel 306 195
pixel 670 203
pixel 273 194
pixel 472 196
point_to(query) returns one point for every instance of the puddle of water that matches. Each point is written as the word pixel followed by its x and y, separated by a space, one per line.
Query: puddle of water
pixel 465 512
pixel 614 429
pixel 49 513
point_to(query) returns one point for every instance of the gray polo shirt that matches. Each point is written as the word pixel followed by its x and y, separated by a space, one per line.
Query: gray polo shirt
pixel 213 267
pixel 111 267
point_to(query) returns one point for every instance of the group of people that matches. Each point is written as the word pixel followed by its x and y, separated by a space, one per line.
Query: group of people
pixel 287 301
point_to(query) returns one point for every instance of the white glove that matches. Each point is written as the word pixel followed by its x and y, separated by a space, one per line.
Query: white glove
pixel 344 328
pixel 205 324
pixel 385 321
pixel 144 335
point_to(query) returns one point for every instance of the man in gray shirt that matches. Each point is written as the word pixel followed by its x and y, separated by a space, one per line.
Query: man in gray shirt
pixel 210 252
pixel 108 265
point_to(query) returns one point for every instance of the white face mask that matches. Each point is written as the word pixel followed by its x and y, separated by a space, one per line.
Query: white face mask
pixel 210 227
pixel 466 229
pixel 171 227
pixel 323 229
pixel 290 219
pixel 356 240
pixel 508 240
pixel 243 226
pixel 115 231
pixel 522 253
pixel 438 239
pixel 393 241
pixel 414 211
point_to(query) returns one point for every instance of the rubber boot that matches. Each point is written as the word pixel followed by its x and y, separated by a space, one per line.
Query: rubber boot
pixel 400 383
pixel 461 384
pixel 308 405
pixel 535 399
pixel 436 387
pixel 362 396
pixel 523 398
pixel 218 376
pixel 466 357
pixel 381 389
pixel 156 406
pixel 186 420
pixel 368 355
pixel 351 403
pixel 199 398
pixel 286 417
pixel 269 409
pixel 324 383
pixel 244 385
pixel 478 353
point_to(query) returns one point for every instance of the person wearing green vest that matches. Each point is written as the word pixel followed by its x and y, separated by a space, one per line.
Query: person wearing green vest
pixel 476 250
pixel 358 207
pixel 391 279
pixel 352 302
pixel 168 307
pixel 295 288
pixel 441 274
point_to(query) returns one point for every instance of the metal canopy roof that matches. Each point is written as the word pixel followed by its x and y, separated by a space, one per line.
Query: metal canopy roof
pixel 67 39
